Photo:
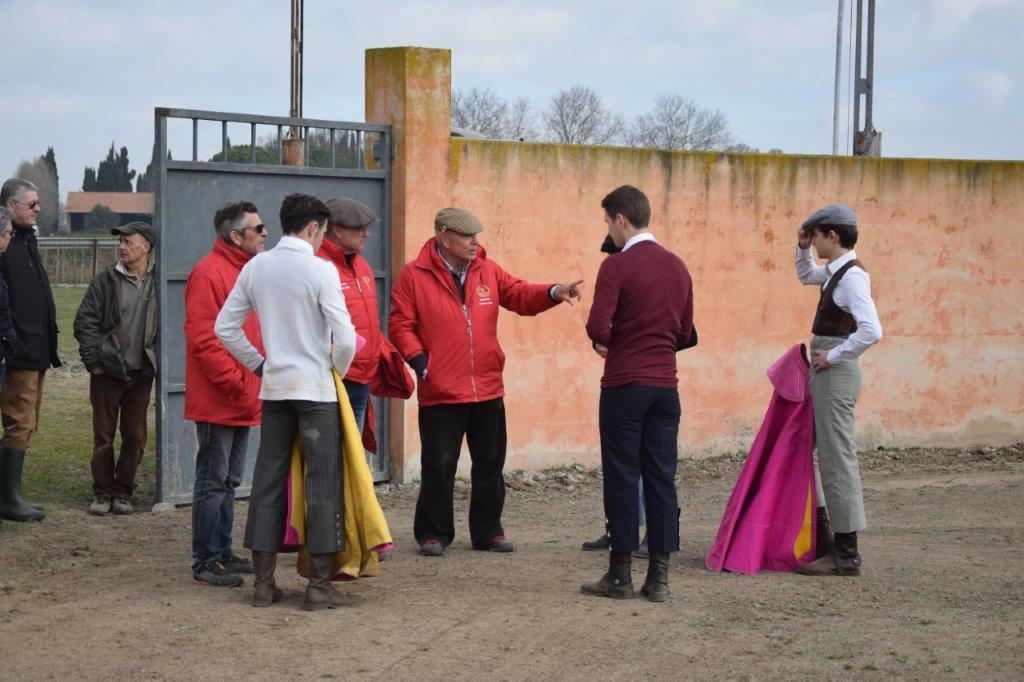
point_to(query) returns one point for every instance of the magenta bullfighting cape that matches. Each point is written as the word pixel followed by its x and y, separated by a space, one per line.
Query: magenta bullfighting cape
pixel 769 520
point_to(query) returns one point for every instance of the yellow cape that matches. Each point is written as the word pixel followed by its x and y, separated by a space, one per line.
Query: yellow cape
pixel 366 529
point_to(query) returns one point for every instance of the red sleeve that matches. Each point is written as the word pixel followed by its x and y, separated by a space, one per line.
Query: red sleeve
pixel 404 318
pixel 606 299
pixel 520 296
pixel 216 363
pixel 686 321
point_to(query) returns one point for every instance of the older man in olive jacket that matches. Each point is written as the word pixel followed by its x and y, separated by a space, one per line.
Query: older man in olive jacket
pixel 116 331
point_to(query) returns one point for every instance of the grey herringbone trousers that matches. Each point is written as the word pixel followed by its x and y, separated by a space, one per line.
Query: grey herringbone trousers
pixel 834 392
pixel 319 426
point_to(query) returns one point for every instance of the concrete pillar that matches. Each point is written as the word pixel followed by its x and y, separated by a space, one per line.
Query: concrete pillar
pixel 410 88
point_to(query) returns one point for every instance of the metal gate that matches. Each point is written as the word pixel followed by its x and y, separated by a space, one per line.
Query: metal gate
pixel 189 192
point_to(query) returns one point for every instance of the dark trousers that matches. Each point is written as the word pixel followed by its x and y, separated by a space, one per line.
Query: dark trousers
pixel 220 465
pixel 442 428
pixel 319 428
pixel 112 400
pixel 639 431
pixel 359 396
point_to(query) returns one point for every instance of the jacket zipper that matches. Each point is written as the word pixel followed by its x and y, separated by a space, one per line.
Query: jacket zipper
pixel 469 331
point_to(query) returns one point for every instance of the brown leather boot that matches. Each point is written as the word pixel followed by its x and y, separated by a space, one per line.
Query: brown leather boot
pixel 263 565
pixel 320 593
pixel 844 559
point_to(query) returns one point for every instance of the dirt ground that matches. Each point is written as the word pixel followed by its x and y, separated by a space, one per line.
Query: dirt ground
pixel 942 594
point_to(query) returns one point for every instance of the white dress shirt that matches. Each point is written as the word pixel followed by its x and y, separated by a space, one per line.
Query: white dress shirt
pixel 852 295
pixel 297 298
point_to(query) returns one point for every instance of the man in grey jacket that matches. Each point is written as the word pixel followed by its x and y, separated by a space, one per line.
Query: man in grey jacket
pixel 116 331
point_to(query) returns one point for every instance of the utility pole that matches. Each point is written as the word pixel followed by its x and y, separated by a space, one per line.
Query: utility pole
pixel 839 66
pixel 866 142
pixel 293 148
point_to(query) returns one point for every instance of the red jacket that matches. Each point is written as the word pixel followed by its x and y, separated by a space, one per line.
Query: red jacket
pixel 360 289
pixel 218 389
pixel 464 360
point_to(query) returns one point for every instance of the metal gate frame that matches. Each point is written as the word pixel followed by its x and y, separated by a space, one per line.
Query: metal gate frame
pixel 382 152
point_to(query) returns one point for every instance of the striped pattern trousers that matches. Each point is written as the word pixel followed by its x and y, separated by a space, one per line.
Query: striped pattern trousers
pixel 834 393
pixel 319 426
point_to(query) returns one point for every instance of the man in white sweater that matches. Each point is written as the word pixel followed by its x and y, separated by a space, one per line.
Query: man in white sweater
pixel 307 332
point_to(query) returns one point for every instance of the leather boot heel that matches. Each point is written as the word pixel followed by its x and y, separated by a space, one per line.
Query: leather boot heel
pixel 266 592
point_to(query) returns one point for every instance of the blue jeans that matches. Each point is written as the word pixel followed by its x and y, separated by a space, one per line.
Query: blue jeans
pixel 3 373
pixel 640 497
pixel 220 465
pixel 359 396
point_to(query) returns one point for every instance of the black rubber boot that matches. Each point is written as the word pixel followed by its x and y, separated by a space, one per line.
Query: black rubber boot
pixel 656 584
pixel 823 534
pixel 12 507
pixel 617 583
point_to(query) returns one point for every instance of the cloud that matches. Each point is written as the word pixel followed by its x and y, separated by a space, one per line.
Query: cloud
pixel 995 86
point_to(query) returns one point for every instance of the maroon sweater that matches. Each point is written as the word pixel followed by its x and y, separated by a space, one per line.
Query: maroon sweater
pixel 643 312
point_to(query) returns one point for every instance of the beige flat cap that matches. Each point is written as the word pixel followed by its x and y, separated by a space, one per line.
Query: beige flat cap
pixel 458 220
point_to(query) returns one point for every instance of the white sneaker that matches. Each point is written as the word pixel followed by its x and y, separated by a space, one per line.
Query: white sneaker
pixel 100 506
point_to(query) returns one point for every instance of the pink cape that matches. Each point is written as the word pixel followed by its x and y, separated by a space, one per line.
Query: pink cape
pixel 769 521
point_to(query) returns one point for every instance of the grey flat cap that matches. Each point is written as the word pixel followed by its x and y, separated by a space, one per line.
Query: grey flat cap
pixel 833 214
pixel 350 213
pixel 458 220
pixel 145 230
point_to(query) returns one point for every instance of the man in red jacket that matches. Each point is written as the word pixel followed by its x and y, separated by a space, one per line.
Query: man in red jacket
pixel 444 321
pixel 221 395
pixel 343 246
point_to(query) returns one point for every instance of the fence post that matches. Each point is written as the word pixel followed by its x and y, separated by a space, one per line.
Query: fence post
pixel 95 254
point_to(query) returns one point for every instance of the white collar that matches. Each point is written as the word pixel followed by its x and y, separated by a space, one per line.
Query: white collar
pixel 834 266
pixel 637 238
pixel 291 243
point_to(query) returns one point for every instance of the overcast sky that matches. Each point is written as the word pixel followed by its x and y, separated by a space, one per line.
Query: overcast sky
pixel 80 74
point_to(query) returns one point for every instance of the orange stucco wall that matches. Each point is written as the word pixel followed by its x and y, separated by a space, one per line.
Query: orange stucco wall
pixel 937 236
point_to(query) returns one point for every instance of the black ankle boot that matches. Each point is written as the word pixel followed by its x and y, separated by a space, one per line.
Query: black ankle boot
pixel 823 534
pixel 656 585
pixel 12 507
pixel 617 583
pixel 847 556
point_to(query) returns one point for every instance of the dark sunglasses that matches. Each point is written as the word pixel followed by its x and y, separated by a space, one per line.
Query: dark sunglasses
pixel 258 229
pixel 33 204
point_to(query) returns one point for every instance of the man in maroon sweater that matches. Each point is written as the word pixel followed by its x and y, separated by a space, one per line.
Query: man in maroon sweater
pixel 641 316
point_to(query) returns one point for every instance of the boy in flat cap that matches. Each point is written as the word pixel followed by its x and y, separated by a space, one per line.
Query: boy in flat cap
pixel 343 245
pixel 845 325
pixel 444 320
pixel 116 331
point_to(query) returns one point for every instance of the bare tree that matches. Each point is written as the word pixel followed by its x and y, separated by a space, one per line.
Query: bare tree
pixel 39 173
pixel 484 111
pixel 578 115
pixel 676 122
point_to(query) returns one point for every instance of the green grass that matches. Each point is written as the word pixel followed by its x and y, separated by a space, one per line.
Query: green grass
pixel 57 465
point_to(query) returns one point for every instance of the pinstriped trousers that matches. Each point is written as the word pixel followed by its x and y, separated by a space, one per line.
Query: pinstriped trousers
pixel 319 426
pixel 834 393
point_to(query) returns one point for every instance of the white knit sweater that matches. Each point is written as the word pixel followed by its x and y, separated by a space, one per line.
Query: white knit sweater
pixel 297 298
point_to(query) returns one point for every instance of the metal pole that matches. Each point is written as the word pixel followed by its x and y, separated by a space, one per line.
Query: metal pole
pixel 296 48
pixel 857 85
pixel 839 62
pixel 869 86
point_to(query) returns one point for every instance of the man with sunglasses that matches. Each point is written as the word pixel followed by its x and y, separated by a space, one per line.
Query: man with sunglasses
pixel 35 320
pixel 116 331
pixel 221 394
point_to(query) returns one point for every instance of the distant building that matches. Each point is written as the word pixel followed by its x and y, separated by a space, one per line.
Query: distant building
pixel 129 206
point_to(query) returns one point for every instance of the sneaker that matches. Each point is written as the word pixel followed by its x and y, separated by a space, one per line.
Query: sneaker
pixel 500 544
pixel 236 564
pixel 603 542
pixel 100 506
pixel 214 573
pixel 121 505
pixel 432 548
